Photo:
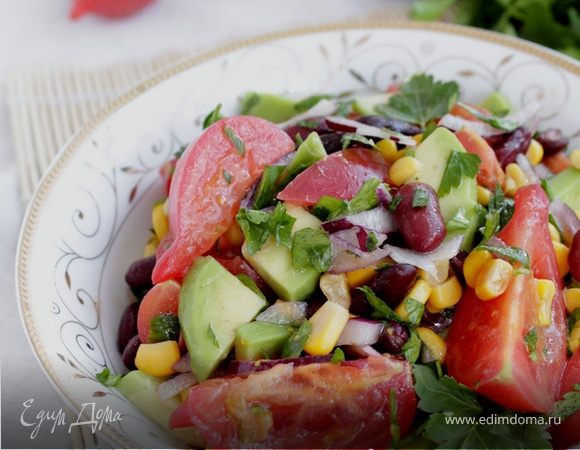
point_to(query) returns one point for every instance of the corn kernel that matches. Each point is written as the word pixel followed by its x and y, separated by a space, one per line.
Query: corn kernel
pixel 234 235
pixel 420 291
pixel 535 152
pixel 493 279
pixel 445 294
pixel 151 247
pixel 418 138
pixel 473 264
pixel 157 359
pixel 575 158
pixel 389 150
pixel 434 343
pixel 404 169
pixel 336 289
pixel 554 233
pixel 483 195
pixel 359 277
pixel 515 178
pixel 183 395
pixel 159 221
pixel 432 309
pixel 572 299
pixel 574 339
pixel 561 257
pixel 327 325
pixel 546 291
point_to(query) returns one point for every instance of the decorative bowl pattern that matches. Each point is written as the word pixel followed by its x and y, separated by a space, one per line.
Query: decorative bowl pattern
pixel 89 218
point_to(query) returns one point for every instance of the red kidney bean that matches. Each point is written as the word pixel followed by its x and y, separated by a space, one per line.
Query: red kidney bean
pixel 422 227
pixel 138 276
pixel 437 321
pixel 307 126
pixel 553 140
pixel 508 146
pixel 332 142
pixel 130 352
pixel 456 264
pixel 574 256
pixel 127 326
pixel 392 338
pixel 391 124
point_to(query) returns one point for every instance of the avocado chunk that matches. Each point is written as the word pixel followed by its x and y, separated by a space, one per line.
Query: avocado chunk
pixel 274 263
pixel 309 152
pixel 365 106
pixel 497 104
pixel 140 389
pixel 259 340
pixel 433 153
pixel 566 187
pixel 213 303
pixel 274 108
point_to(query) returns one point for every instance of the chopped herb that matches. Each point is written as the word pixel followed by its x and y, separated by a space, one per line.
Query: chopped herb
pixel 343 108
pixel 328 208
pixel 308 123
pixel 106 378
pixel 568 405
pixel 179 152
pixel 409 152
pixel 227 176
pixel 249 102
pixel 459 164
pixel 412 348
pixel 295 344
pixel 497 122
pixel 248 282
pixel 235 140
pixel 420 198
pixel 308 102
pixel 421 99
pixel 213 116
pixel 348 138
pixel 458 222
pixel 531 340
pixel 415 310
pixel 547 187
pixel 337 356
pixel 298 139
pixel 212 336
pixel 430 128
pixel 572 319
pixel 499 211
pixel 395 202
pixel 371 241
pixel 281 225
pixel 394 426
pixel 381 309
pixel 512 254
pixel 491 225
pixel 267 188
pixel 164 327
pixel 311 248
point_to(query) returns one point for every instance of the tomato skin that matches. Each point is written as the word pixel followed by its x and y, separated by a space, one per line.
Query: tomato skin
pixel 202 201
pixel 486 349
pixel 459 111
pixel 490 172
pixel 567 434
pixel 163 298
pixel 339 175
pixel 107 8
pixel 313 406
pixel 558 162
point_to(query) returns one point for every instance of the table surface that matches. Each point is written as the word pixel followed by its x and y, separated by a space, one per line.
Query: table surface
pixel 38 33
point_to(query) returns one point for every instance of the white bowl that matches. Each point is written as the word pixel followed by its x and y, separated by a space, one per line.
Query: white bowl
pixel 89 218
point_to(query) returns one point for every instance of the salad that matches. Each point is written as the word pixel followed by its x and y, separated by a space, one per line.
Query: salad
pixel 355 271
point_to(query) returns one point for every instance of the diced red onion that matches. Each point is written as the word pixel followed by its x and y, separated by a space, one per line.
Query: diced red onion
pixel 567 219
pixel 426 261
pixel 379 220
pixel 243 367
pixel 345 261
pixel 527 168
pixel 357 351
pixel 542 171
pixel 527 112
pixel 183 365
pixel 354 240
pixel 384 196
pixel 456 123
pixel 175 385
pixel 360 332
pixel 284 313
pixel 323 108
pixel 352 126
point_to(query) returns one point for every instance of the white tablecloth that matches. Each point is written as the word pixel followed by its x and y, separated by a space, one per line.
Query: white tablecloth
pixel 38 32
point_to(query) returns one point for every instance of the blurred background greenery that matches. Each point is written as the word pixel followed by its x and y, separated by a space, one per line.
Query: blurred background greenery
pixel 553 23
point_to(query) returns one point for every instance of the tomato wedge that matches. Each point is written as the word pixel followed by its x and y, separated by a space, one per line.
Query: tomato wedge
pixel 210 180
pixel 339 175
pixel 313 406
pixel 490 172
pixel 163 298
pixel 567 434
pixel 486 348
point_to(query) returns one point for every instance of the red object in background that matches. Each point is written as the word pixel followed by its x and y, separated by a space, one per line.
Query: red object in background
pixel 113 9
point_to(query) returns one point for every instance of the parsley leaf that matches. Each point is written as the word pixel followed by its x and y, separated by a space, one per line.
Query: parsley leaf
pixel 328 208
pixel 420 198
pixel 497 122
pixel 458 165
pixel 250 100
pixel 381 309
pixel 227 176
pixel 531 340
pixel 248 282
pixel 337 356
pixel 568 405
pixel 458 221
pixel 512 254
pixel 415 310
pixel 295 344
pixel 547 187
pixel 412 348
pixel 235 140
pixel 106 378
pixel 371 241
pixel 258 226
pixel 213 116
pixel 267 189
pixel 347 138
pixel 420 100
pixel 164 327
pixel 311 248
